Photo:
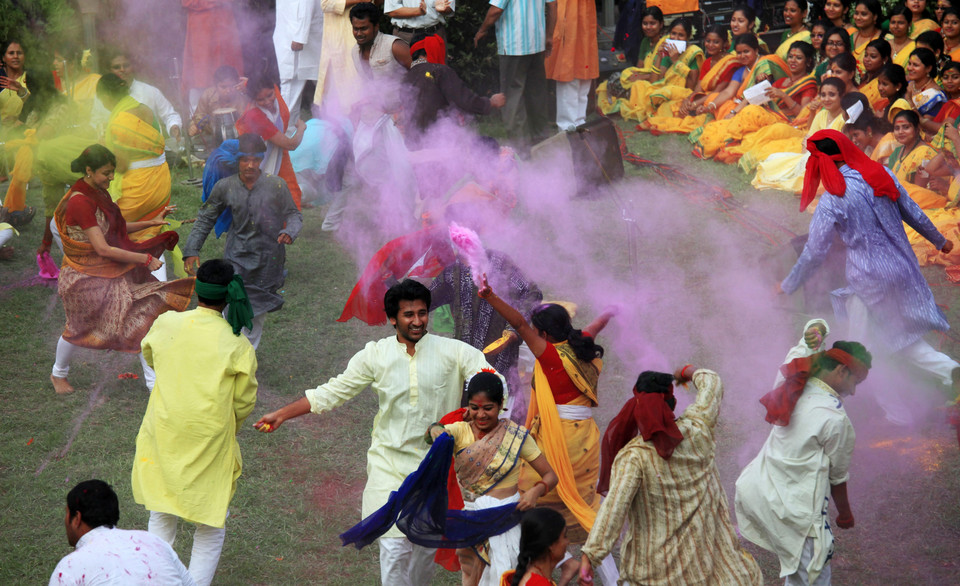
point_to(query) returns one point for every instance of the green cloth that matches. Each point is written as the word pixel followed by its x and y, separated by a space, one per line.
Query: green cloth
pixel 239 310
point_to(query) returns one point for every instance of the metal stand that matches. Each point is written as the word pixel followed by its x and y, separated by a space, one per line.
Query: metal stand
pixel 186 150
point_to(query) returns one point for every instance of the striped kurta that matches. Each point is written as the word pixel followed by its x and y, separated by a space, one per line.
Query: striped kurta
pixel 680 529
pixel 882 269
pixel 522 28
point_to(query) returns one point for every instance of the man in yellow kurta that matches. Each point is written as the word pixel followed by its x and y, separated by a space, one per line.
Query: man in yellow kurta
pixel 188 460
pixel 418 379
pixel 337 77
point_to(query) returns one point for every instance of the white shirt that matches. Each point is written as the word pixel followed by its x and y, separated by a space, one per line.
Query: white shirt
pixel 110 556
pixel 298 21
pixel 150 97
pixel 431 18
pixel 783 494
pixel 413 392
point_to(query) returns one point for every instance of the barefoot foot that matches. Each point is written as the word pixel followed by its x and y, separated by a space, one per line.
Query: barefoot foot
pixel 61 385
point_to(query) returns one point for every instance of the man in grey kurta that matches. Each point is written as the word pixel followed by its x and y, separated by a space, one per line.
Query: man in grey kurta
pixel 265 220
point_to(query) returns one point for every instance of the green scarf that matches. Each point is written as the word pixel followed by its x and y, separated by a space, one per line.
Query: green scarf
pixel 239 310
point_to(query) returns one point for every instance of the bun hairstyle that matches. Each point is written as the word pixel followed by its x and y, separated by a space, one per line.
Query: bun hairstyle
pixel 540 528
pixel 93 157
pixel 554 320
pixel 112 86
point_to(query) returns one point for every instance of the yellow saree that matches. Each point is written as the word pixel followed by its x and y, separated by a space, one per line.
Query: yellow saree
pixel 143 190
pixel 572 447
pixel 668 119
pixel 785 170
pixel 646 97
pixel 905 168
pixel 784 46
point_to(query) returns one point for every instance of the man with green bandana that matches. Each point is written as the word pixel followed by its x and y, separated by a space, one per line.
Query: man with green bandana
pixel 188 459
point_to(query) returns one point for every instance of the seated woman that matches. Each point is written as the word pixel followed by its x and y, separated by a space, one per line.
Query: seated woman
pixel 892 87
pixel 939 6
pixel 867 16
pixel 675 81
pixel 794 16
pixel 923 92
pixel 743 21
pixel 933 41
pixel 543 543
pixel 488 454
pixel 560 413
pixel 909 160
pixel 844 68
pixel 922 21
pixel 874 58
pixel 836 42
pixel 785 171
pixel 754 68
pixel 901 43
pixel 950 29
pixel 680 115
pixel 109 298
pixel 866 133
pixel 836 13
pixel 649 62
pixel 787 95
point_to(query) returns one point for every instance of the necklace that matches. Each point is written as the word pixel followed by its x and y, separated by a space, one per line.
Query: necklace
pixel 419 61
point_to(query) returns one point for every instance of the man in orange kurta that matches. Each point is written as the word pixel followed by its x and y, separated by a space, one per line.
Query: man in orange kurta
pixel 575 60
pixel 212 41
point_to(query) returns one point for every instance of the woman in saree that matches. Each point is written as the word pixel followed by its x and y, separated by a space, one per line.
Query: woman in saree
pixel 543 544
pixel 794 15
pixel 922 21
pixel 874 58
pixel 866 133
pixel 649 59
pixel 488 452
pixel 901 43
pixel 109 297
pixel 788 96
pixel 680 115
pixel 142 185
pixel 754 68
pixel 950 29
pixel 939 7
pixel 743 21
pixel 785 170
pixel 910 158
pixel 837 11
pixel 13 74
pixel 867 16
pixel 923 91
pixel 559 415
pixel 835 42
pixel 950 83
pixel 677 82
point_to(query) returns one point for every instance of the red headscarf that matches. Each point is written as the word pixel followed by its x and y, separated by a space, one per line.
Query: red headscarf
pixel 821 166
pixel 647 414
pixel 434 46
pixel 781 401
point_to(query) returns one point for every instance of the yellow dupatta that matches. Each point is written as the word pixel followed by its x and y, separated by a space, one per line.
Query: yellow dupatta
pixel 784 47
pixel 872 91
pixel 551 440
pixel 921 26
pixel 711 78
pixel 906 168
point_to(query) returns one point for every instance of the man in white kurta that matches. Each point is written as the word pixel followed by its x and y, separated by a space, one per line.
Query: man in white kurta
pixel 296 40
pixel 783 495
pixel 337 77
pixel 418 378
pixel 106 555
pixel 188 460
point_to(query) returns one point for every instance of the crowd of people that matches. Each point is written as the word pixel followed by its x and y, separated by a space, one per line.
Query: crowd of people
pixel 860 121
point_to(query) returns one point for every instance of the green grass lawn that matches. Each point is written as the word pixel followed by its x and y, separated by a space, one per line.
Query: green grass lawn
pixel 301 486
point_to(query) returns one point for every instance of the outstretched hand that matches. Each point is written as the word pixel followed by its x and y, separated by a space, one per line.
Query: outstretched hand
pixel 684 374
pixel 484 291
pixel 845 522
pixel 268 423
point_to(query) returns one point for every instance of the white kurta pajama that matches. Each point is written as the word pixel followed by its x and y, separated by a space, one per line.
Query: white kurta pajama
pixel 413 392
pixel 783 495
pixel 298 21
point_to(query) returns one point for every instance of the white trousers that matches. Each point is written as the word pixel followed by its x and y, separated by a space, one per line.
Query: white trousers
pixel 800 577
pixel 66 350
pixel 292 92
pixel 149 375
pixel 403 563
pixel 56 235
pixel 5 236
pixel 572 97
pixel 207 544
pixel 502 549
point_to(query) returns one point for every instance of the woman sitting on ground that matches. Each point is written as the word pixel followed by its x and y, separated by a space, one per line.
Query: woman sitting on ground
pixel 901 43
pixel 794 16
pixel 910 158
pixel 874 58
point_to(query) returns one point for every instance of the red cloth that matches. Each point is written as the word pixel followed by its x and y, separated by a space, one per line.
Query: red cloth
pixel 254 121
pixel 823 167
pixel 212 40
pixel 564 391
pixel 948 111
pixel 434 46
pixel 646 414
pixel 447 558
pixel 423 253
pixel 81 211
pixel 781 401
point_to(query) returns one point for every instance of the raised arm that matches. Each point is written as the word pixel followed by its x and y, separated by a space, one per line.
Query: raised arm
pixel 597 325
pixel 526 332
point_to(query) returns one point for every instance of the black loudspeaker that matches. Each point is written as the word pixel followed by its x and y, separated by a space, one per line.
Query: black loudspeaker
pixel 592 150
